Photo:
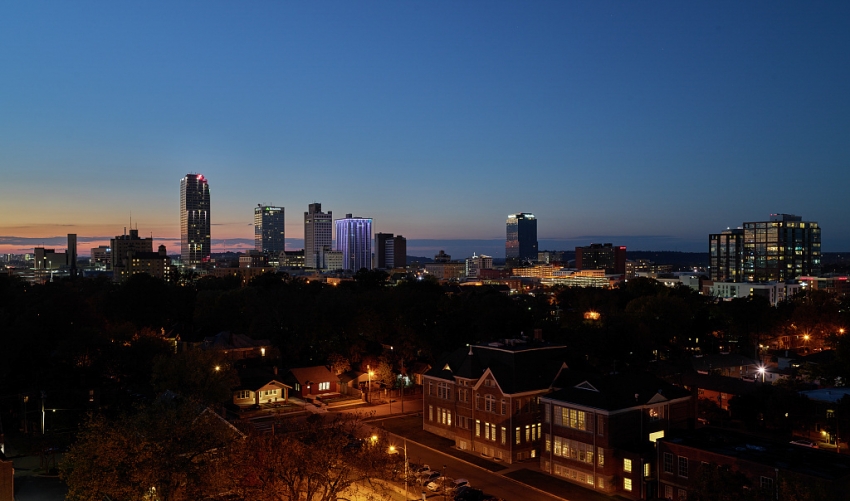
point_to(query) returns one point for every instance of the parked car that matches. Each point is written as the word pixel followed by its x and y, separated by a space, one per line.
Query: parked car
pixel 469 494
pixel 429 477
pixel 804 443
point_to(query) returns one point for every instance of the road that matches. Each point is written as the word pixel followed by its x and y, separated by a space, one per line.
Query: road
pixel 493 484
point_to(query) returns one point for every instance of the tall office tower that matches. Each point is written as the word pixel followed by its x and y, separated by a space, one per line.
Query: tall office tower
pixel 318 234
pixel 268 229
pixel 475 264
pixel 726 255
pixel 781 249
pixel 194 220
pixel 72 253
pixel 390 251
pixel 521 243
pixel 354 240
pixel 602 257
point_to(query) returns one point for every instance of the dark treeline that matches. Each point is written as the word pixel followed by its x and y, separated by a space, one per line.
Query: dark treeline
pixel 71 335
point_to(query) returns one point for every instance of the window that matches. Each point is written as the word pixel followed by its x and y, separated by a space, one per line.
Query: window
pixel 627 465
pixel 683 495
pixel 444 416
pixel 683 467
pixel 600 424
pixel 325 386
pixel 504 407
pixel 600 482
pixel 430 413
pixel 647 470
pixel 767 483
pixel 443 390
pixel 668 464
pixel 297 387
pixel 490 403
pixel 546 418
pixel 656 413
pixel 527 433
pixel 518 436
pixel 573 449
pixel 627 484
pixel 547 443
pixel 478 401
pixel 571 418
pixel 243 394
pixel 668 492
pixel 430 387
pixel 477 428
pixel 600 453
pixel 490 431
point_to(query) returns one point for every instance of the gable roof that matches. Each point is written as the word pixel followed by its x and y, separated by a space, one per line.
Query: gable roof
pixel 516 368
pixel 314 374
pixel 614 391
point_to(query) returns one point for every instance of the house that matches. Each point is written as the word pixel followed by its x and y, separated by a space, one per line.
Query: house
pixel 599 430
pixel 260 390
pixel 485 397
pixel 417 371
pixel 768 465
pixel 726 364
pixel 313 381
pixel 715 388
pixel 235 346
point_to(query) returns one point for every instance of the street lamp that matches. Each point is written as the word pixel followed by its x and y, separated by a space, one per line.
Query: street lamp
pixel 762 371
pixel 369 384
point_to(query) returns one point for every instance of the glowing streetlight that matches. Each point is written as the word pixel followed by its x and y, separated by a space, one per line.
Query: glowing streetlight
pixel 217 368
pixel 762 371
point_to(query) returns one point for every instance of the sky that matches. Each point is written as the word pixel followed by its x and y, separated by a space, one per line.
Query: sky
pixel 646 124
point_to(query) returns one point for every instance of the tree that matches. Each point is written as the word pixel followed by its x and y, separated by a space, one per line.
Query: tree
pixel 204 375
pixel 338 363
pixel 323 461
pixel 164 452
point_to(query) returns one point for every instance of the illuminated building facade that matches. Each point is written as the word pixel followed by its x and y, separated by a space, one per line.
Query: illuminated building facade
pixel 318 235
pixel 521 242
pixel 781 249
pixel 194 220
pixel 269 233
pixel 354 240
pixel 726 255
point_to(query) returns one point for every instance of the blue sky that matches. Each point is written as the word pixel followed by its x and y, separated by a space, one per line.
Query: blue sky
pixel 644 124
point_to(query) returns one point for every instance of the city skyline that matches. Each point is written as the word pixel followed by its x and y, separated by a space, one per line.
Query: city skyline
pixel 646 126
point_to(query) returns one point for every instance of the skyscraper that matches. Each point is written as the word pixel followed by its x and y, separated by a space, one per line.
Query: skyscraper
pixel 354 240
pixel 194 219
pixel 521 243
pixel 781 249
pixel 390 251
pixel 269 230
pixel 318 235
pixel 784 248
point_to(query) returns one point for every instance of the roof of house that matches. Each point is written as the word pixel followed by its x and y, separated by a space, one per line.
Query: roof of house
pixel 614 391
pixel 713 382
pixel 518 366
pixel 314 374
pixel 781 455
pixel 706 363
pixel 256 382
pixel 228 341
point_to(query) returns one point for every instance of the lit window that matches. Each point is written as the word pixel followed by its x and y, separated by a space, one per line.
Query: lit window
pixel 627 465
pixel 504 435
pixel 627 484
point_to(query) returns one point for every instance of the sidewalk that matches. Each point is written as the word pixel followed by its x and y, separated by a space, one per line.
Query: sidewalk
pixel 527 472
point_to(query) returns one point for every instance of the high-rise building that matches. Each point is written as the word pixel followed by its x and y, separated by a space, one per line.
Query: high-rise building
pixel 606 257
pixel 194 220
pixel 318 234
pixel 354 240
pixel 269 233
pixel 124 248
pixel 390 251
pixel 521 243
pixel 781 249
pixel 726 255
pixel 476 263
